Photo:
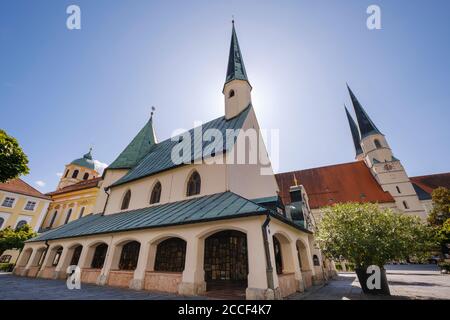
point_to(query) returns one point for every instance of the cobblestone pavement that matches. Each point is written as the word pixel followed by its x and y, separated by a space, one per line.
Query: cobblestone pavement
pixel 405 282
pixel 21 288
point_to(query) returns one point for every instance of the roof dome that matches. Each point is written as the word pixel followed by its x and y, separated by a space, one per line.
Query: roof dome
pixel 86 161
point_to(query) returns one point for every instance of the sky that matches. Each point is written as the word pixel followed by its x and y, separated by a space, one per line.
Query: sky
pixel 63 91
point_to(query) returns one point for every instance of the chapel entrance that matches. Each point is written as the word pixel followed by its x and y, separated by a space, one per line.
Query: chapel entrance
pixel 226 264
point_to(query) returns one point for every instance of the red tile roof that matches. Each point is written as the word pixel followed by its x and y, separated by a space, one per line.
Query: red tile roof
pixel 430 182
pixel 346 182
pixel 21 187
pixel 91 183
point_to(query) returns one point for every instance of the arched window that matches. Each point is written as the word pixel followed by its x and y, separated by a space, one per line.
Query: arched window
pixel 81 213
pixel 398 189
pixel 278 257
pixel 75 174
pixel 405 204
pixel 1 222
pixel 170 255
pixel 20 224
pixel 57 256
pixel 194 184
pixel 377 143
pixel 53 219
pixel 231 94
pixel 129 256
pixel 69 213
pixel 76 256
pixel 67 172
pixel 126 200
pixel 86 176
pixel 156 193
pixel 99 256
pixel 316 260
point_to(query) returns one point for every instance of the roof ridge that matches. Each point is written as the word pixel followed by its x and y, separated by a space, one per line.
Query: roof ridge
pixel 325 166
pixel 430 175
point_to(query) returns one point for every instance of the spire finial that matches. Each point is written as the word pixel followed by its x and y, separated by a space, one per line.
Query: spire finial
pixel 232 19
pixel 152 112
pixel 295 180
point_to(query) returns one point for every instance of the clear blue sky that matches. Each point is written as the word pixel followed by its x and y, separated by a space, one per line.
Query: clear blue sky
pixel 62 91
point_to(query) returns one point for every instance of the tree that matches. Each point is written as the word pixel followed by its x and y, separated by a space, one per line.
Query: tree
pixel 441 206
pixel 14 239
pixel 365 235
pixel 13 161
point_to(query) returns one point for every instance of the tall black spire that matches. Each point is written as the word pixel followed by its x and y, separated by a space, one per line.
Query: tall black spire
pixel 355 133
pixel 236 68
pixel 366 126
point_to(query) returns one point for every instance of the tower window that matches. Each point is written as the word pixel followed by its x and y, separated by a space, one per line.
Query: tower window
pixel 86 176
pixel 156 193
pixel 81 213
pixel 377 143
pixel 126 200
pixel 231 94
pixel 405 205
pixel 68 216
pixel 75 174
pixel 398 189
pixel 53 220
pixel 194 184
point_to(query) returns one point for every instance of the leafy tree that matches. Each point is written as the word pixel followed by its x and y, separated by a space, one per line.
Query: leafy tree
pixel 441 206
pixel 443 233
pixel 15 238
pixel 13 161
pixel 365 234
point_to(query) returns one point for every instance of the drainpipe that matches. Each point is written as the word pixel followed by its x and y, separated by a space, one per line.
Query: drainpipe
pixel 107 198
pixel 269 269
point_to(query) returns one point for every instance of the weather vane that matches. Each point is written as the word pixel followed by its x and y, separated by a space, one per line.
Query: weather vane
pixel 153 111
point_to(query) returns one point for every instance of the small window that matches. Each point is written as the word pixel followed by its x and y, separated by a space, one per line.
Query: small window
pixel 57 257
pixel 156 193
pixel 86 176
pixel 8 202
pixel 30 205
pixel 129 256
pixel 76 255
pixel 6 258
pixel 81 213
pixel 69 213
pixel 126 200
pixel 99 256
pixel 316 260
pixel 20 224
pixel 398 189
pixel 53 220
pixel 278 257
pixel 171 255
pixel 405 205
pixel 377 143
pixel 194 184
pixel 75 174
pixel 231 94
pixel 67 172
pixel 1 222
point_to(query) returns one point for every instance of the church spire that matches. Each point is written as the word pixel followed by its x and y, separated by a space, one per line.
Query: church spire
pixel 355 133
pixel 366 126
pixel 236 68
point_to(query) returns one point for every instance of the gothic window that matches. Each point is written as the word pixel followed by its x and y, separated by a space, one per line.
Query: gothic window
pixel 170 255
pixel 377 143
pixel 67 172
pixel 76 256
pixel 316 260
pixel 194 184
pixel 156 193
pixel 278 257
pixel 20 224
pixel 57 256
pixel 398 189
pixel 99 256
pixel 81 213
pixel 129 256
pixel 86 176
pixel 231 94
pixel 75 174
pixel 1 221
pixel 68 216
pixel 126 200
pixel 405 205
pixel 53 219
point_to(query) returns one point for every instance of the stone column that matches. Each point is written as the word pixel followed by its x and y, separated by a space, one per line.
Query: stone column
pixel 109 260
pixel 83 257
pixel 297 268
pixel 60 269
pixel 139 273
pixel 193 280
pixel 48 256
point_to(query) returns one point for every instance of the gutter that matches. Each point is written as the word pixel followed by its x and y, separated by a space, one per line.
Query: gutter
pixel 269 268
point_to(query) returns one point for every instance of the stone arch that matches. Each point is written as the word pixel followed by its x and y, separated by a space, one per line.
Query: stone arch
pixel 302 255
pixel 212 230
pixel 96 254
pixel 54 257
pixel 284 261
pixel 170 255
pixel 126 259
pixel 25 257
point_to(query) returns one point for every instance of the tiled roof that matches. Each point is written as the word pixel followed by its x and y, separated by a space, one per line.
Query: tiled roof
pixel 21 187
pixel 430 182
pixel 347 182
pixel 86 184
pixel 207 208
pixel 159 157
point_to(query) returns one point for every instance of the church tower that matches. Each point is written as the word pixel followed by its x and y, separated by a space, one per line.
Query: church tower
pixel 378 156
pixel 237 89
pixel 78 170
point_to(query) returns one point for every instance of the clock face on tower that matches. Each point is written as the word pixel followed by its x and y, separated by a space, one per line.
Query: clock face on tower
pixel 388 167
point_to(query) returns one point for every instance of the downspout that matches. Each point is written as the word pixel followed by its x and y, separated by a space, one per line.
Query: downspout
pixel 107 198
pixel 269 268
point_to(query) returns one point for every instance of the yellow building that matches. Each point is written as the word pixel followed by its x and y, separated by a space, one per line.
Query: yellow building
pixel 20 204
pixel 76 194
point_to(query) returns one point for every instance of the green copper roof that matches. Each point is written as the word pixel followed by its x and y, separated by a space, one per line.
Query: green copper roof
pixel 224 205
pixel 159 157
pixel 366 126
pixel 355 132
pixel 137 149
pixel 86 161
pixel 236 68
